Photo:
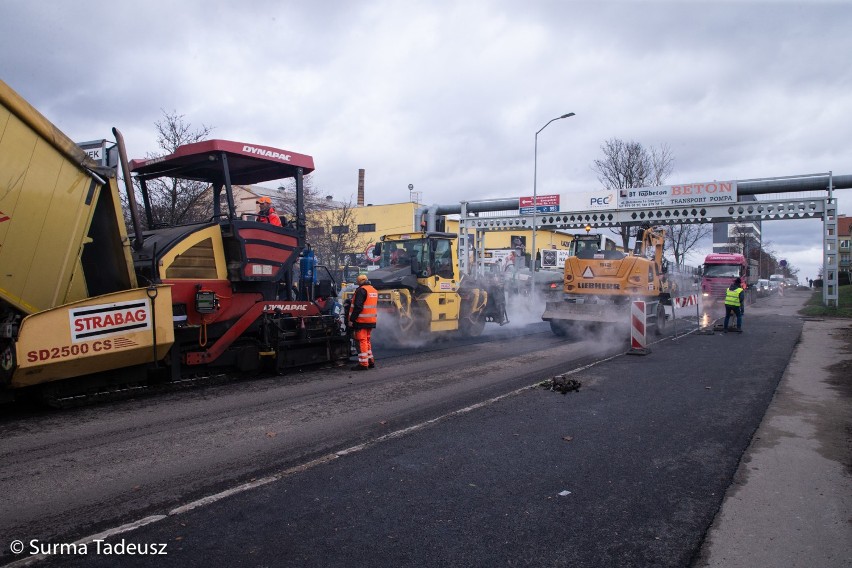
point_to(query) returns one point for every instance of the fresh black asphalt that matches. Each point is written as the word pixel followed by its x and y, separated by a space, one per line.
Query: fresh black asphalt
pixel 629 471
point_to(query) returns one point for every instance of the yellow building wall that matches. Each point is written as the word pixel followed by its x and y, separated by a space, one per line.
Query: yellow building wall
pixel 388 219
pixel 399 218
pixel 503 239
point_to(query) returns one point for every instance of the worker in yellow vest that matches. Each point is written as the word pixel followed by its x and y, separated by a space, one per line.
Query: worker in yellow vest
pixel 362 318
pixel 734 303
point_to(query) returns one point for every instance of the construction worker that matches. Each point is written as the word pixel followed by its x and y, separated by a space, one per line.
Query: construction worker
pixel 734 303
pixel 362 319
pixel 267 212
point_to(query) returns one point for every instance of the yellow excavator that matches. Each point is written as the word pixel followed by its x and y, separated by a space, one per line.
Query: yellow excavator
pixel 422 292
pixel 599 285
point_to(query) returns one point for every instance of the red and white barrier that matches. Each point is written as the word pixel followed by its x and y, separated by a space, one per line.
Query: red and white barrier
pixel 684 302
pixel 638 328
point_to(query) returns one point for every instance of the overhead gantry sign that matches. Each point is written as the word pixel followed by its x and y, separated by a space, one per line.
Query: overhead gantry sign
pixel 714 202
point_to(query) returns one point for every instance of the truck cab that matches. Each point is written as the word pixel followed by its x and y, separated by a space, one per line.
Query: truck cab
pixel 718 274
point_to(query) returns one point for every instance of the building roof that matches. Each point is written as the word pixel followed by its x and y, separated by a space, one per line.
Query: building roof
pixel 844 226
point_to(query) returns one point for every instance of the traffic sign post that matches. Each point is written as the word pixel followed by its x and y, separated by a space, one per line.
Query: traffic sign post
pixel 544 204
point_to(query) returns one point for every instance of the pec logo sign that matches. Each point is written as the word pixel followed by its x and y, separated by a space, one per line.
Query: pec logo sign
pixel 95 322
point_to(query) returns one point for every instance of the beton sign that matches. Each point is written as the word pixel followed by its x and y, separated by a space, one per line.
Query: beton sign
pixel 710 193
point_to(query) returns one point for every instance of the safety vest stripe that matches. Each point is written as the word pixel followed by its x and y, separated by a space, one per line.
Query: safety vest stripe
pixel 369 312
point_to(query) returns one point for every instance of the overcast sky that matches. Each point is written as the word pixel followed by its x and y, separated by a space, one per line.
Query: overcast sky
pixel 448 95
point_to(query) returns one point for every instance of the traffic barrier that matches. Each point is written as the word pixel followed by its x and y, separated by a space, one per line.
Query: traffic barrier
pixel 638 329
pixel 685 302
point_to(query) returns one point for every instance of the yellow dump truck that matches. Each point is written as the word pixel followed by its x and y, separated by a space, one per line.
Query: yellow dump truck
pixel 69 300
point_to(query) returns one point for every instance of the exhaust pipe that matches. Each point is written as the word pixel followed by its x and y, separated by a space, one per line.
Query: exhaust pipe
pixel 128 184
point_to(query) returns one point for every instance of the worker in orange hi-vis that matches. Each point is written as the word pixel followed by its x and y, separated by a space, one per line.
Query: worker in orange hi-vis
pixel 267 212
pixel 362 318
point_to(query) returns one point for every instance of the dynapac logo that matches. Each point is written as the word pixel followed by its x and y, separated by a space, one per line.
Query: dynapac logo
pixel 266 153
pixel 286 307
pixel 4 217
pixel 108 319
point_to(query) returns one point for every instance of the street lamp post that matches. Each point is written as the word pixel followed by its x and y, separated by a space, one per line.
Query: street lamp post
pixel 535 198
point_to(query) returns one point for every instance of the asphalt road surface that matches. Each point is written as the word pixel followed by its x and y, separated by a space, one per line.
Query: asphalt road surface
pixel 68 474
pixel 443 456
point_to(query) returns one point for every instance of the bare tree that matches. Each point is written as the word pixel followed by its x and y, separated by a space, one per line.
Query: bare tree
pixel 662 163
pixel 285 202
pixel 629 164
pixel 684 238
pixel 334 234
pixel 174 201
pixel 743 239
pixel 768 259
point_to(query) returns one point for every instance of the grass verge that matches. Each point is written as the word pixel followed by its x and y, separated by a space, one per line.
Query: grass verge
pixel 814 305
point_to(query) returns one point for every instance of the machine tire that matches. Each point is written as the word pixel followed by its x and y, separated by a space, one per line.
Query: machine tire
pixel 7 361
pixel 472 325
pixel 397 331
pixel 661 323
pixel 405 325
pixel 560 329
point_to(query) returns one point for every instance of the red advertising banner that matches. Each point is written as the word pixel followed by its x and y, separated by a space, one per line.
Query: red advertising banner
pixel 544 203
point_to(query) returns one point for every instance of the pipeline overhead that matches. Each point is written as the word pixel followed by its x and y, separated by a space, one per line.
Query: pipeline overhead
pixel 429 214
pixel 425 217
pixel 816 182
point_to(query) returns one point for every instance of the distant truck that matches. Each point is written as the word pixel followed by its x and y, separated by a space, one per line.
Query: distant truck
pixel 719 272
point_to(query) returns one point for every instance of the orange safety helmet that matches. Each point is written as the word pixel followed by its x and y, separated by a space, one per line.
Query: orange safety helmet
pixel 263 200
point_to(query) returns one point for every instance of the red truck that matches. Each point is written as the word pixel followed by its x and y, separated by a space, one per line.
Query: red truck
pixel 719 272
